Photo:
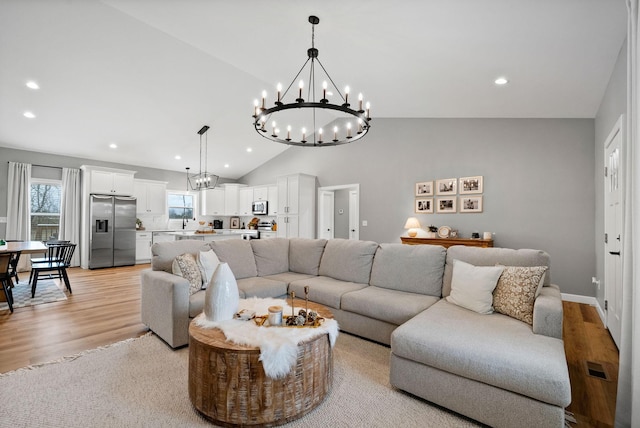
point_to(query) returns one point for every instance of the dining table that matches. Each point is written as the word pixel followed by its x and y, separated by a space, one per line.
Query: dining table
pixel 26 247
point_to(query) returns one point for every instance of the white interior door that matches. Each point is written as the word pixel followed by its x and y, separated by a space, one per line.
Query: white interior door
pixel 354 215
pixel 325 219
pixel 613 198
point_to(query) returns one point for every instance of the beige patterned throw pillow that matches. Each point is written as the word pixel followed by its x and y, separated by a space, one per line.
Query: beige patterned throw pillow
pixel 186 266
pixel 515 293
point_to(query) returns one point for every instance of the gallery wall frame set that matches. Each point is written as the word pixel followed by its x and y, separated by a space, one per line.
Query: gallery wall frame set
pixel 447 189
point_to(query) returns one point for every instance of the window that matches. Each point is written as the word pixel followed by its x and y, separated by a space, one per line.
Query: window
pixel 45 209
pixel 180 206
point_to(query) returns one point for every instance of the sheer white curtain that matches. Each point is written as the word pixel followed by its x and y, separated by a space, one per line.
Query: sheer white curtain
pixel 70 210
pixel 19 205
pixel 628 398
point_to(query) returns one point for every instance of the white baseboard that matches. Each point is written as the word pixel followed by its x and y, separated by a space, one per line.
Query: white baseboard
pixel 588 300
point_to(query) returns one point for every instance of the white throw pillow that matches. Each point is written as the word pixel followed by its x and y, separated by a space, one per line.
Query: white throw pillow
pixel 472 286
pixel 207 262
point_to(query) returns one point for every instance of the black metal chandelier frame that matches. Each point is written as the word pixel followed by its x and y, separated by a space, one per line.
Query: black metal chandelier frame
pixel 263 115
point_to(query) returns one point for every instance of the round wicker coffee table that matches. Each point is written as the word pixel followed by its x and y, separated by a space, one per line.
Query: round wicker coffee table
pixel 228 385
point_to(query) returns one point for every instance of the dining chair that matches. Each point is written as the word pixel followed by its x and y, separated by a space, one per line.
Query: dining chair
pixel 49 243
pixel 5 278
pixel 13 263
pixel 56 266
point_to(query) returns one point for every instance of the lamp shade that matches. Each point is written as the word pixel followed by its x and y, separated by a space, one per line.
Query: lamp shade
pixel 412 223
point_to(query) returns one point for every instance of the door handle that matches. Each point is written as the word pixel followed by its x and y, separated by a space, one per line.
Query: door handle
pixel 614 253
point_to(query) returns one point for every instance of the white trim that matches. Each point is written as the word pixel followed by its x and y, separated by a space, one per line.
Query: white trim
pixel 587 300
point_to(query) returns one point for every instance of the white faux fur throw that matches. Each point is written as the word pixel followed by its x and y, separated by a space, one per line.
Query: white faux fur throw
pixel 278 346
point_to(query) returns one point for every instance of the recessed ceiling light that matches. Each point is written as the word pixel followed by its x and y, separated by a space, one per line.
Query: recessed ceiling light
pixel 177 157
pixel 113 145
pixel 29 115
pixel 249 149
pixel 226 165
pixel 32 85
pixel 501 81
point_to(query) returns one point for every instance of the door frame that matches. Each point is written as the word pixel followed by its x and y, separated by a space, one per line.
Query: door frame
pixel 618 129
pixel 351 187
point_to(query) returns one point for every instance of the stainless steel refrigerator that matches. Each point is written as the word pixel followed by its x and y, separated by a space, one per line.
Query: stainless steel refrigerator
pixel 113 231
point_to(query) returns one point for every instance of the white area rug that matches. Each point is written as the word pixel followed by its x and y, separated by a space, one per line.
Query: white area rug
pixel 143 383
pixel 47 291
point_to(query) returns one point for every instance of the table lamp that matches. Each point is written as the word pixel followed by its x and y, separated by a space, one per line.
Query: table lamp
pixel 412 224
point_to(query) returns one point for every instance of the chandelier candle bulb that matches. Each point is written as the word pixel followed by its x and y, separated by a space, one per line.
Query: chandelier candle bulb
pixel 300 86
pixel 304 137
pixel 273 129
pixel 335 133
pixel 264 96
pixel 368 107
pixel 279 88
pixel 346 96
pixel 360 103
pixel 255 108
pixel 289 133
pixel 349 130
pixel 320 135
pixel 324 92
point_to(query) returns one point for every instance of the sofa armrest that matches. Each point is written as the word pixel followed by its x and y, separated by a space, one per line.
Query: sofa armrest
pixel 547 312
pixel 164 306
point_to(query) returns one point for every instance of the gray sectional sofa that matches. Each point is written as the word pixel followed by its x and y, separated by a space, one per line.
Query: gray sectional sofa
pixel 492 368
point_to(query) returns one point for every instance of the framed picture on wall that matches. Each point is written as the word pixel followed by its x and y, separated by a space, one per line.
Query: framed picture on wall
pixel 424 188
pixel 446 186
pixel 424 205
pixel 470 204
pixel 446 205
pixel 235 223
pixel 470 185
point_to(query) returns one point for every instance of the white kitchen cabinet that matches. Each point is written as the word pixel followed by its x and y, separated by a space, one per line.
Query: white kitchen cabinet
pixel 143 247
pixel 111 182
pixel 267 235
pixel 232 198
pixel 273 200
pixel 245 200
pixel 151 196
pixel 296 206
pixel 261 193
pixel 212 202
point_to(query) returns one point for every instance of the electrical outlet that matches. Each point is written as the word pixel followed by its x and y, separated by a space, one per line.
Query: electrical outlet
pixel 364 223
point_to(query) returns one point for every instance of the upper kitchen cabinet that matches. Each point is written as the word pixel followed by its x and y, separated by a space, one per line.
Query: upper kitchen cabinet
pixel 151 196
pixel 108 181
pixel 245 200
pixel 212 202
pixel 273 200
pixel 232 198
pixel 296 206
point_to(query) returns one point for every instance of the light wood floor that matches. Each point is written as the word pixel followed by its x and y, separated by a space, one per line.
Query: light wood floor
pixel 105 308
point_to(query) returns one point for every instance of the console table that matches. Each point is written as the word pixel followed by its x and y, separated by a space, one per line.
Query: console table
pixel 448 242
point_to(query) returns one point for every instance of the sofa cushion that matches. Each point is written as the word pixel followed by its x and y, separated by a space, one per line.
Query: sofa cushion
pixel 411 268
pixel 516 291
pixel 163 253
pixel 495 349
pixel 348 260
pixel 393 306
pixel 324 290
pixel 491 257
pixel 472 286
pixel 186 266
pixel 305 255
pixel 207 262
pixel 238 254
pixel 272 255
pixel 261 287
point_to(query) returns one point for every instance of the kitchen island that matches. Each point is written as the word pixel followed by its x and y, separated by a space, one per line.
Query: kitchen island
pixel 219 234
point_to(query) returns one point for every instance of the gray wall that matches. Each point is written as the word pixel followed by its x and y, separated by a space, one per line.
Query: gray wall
pixel 176 180
pixel 614 103
pixel 538 182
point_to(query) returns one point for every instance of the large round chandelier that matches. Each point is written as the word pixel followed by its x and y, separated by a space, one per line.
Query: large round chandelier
pixel 309 121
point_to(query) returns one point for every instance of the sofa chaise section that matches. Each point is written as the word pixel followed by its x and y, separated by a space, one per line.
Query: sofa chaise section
pixel 493 368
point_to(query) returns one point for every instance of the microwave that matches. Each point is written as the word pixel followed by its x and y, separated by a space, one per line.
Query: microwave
pixel 259 208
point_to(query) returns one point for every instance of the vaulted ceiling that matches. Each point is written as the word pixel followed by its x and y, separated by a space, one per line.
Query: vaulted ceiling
pixel 147 74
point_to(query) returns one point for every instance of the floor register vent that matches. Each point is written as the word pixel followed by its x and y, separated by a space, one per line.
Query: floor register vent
pixel 596 370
